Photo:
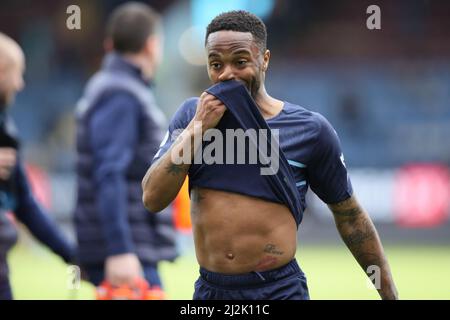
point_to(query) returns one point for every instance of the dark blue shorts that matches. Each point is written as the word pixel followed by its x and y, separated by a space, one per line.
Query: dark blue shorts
pixel 285 283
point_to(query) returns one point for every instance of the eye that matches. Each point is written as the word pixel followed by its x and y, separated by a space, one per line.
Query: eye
pixel 215 65
pixel 241 63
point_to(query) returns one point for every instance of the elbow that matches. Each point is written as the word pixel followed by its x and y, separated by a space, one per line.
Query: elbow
pixel 148 195
pixel 151 203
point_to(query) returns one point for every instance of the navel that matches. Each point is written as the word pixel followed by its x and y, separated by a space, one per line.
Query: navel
pixel 230 256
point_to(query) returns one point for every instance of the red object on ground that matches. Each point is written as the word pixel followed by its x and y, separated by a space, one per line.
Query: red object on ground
pixel 139 291
pixel 422 195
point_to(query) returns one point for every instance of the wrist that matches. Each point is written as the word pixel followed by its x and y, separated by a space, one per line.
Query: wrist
pixel 120 246
pixel 190 140
pixel 388 292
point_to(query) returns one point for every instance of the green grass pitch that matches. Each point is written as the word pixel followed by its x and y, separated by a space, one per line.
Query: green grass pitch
pixel 420 272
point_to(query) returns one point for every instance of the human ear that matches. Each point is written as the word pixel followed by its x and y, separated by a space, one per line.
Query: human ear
pixel 266 59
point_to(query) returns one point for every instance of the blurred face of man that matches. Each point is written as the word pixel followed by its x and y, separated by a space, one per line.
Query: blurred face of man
pixel 158 49
pixel 152 54
pixel 235 56
pixel 12 67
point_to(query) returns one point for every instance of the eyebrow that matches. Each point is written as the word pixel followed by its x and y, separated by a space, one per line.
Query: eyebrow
pixel 237 52
pixel 241 51
pixel 213 55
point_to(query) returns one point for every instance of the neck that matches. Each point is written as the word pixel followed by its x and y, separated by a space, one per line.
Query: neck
pixel 268 106
pixel 142 63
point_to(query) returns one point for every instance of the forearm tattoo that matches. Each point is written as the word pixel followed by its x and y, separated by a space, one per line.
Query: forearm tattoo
pixel 347 209
pixel 361 233
pixel 176 169
pixel 360 236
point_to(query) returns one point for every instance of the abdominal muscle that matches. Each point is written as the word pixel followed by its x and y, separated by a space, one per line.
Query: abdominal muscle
pixel 234 233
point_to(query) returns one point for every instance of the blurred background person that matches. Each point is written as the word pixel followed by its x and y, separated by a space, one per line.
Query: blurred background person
pixel 119 129
pixel 15 192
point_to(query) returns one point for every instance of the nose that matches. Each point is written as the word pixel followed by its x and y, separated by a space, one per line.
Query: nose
pixel 227 74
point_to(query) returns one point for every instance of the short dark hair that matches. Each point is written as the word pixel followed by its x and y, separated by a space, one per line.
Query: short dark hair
pixel 241 21
pixel 130 25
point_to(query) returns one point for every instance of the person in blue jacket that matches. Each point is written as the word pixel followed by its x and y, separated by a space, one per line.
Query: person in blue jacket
pixel 15 193
pixel 119 128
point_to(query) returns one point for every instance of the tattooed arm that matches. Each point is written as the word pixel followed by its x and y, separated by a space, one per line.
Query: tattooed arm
pixel 360 236
pixel 164 178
